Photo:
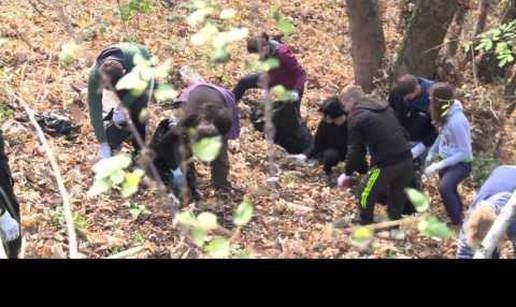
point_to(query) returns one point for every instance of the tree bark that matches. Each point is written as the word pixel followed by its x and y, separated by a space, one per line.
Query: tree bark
pixel 483 9
pixel 367 40
pixel 425 34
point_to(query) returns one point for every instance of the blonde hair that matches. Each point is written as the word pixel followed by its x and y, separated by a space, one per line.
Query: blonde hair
pixel 479 223
pixel 353 92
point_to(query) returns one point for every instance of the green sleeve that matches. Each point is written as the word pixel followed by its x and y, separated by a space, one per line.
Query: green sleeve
pixel 95 105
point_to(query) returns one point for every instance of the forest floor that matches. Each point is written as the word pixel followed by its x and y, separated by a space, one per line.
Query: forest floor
pixel 298 224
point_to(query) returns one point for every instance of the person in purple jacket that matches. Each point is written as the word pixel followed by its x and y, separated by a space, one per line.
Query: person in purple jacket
pixel 290 74
pixel 211 110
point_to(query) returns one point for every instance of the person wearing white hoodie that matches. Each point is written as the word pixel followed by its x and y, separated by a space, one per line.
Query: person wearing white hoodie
pixel 452 148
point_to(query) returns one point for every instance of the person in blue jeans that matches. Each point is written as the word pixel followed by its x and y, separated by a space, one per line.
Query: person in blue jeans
pixel 492 197
pixel 452 148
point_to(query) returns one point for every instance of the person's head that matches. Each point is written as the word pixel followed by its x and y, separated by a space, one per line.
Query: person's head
pixel 479 223
pixel 408 87
pixel 332 111
pixel 110 73
pixel 259 44
pixel 350 96
pixel 441 98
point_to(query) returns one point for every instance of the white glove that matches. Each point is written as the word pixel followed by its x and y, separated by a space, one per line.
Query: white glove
pixel 105 151
pixel 179 179
pixel 9 227
pixel 119 118
pixel 344 181
pixel 418 150
pixel 301 158
pixel 295 96
pixel 433 169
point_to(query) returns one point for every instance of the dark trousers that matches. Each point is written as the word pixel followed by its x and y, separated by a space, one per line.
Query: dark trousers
pixel 331 157
pixel 450 178
pixel 220 168
pixel 393 179
pixel 251 81
pixel 8 200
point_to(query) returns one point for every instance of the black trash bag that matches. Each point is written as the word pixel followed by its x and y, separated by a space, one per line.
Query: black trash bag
pixel 56 124
pixel 291 132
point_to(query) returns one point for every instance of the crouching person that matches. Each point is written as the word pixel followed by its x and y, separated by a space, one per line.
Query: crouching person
pixel 170 144
pixel 331 139
pixel 211 111
pixel 492 197
pixel 111 65
pixel 373 125
pixel 9 208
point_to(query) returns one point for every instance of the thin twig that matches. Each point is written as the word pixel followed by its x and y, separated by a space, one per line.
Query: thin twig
pixel 72 236
pixel 127 253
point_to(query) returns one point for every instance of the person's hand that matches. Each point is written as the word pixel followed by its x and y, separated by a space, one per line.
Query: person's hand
pixel 432 169
pixel 429 159
pixel 344 181
pixel 9 227
pixel 295 95
pixel 178 180
pixel 417 150
pixel 300 159
pixel 105 151
pixel 119 118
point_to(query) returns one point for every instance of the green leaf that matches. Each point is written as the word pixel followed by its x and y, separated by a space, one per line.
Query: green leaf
pixel 432 227
pixel 131 183
pixel 243 213
pixel 418 199
pixel 100 185
pixel 132 81
pixel 186 218
pixel 165 92
pixel 68 53
pixel 282 93
pixel 118 176
pixel 220 55
pixel 285 26
pixel 207 149
pixel 198 16
pixel 362 234
pixel 219 247
pixel 207 221
pixel 105 167
pixel 266 65
pixel 227 13
pixel 198 236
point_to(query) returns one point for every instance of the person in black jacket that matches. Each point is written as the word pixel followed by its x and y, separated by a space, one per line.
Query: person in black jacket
pixel 331 139
pixel 411 104
pixel 9 208
pixel 372 126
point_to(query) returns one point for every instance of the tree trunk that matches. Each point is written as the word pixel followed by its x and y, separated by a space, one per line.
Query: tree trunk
pixel 483 9
pixel 425 34
pixel 406 8
pixel 456 32
pixel 498 230
pixel 488 69
pixel 367 41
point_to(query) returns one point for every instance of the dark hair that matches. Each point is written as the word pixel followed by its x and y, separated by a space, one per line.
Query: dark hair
pixel 254 43
pixel 331 107
pixel 111 71
pixel 406 84
pixel 441 98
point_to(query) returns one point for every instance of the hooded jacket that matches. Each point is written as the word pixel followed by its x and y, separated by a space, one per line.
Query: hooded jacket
pixel 289 73
pixel 123 53
pixel 414 115
pixel 372 124
pixel 453 144
pixel 497 191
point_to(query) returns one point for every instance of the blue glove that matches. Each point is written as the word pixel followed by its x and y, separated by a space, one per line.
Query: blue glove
pixel 177 179
pixel 9 227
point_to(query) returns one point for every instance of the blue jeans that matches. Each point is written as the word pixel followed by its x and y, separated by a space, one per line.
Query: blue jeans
pixel 451 177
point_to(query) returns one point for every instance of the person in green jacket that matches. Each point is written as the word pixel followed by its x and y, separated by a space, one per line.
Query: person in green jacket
pixel 111 65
